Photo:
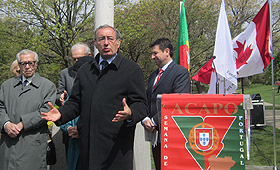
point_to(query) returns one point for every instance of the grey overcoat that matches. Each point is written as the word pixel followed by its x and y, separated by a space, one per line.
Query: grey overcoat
pixel 17 103
pixel 65 82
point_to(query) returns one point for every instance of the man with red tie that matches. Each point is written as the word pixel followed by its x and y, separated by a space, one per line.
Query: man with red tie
pixel 168 78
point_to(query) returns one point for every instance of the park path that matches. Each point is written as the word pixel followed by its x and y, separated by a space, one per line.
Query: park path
pixel 268 116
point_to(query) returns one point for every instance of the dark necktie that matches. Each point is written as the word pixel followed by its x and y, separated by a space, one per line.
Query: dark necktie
pixel 103 64
pixel 159 75
pixel 25 83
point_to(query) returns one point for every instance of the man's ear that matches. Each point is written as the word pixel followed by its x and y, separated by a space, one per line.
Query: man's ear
pixel 167 51
pixel 119 43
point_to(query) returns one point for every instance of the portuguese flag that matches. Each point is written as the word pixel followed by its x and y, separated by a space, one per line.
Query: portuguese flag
pixel 182 52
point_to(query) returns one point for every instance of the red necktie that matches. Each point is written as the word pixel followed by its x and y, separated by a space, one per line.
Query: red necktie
pixel 159 75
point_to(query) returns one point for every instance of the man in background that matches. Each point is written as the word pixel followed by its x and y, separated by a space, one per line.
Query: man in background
pixel 66 80
pixel 22 99
pixel 168 78
pixel 67 75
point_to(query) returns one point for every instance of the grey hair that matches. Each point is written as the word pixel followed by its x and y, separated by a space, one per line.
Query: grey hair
pixel 80 44
pixel 117 32
pixel 26 51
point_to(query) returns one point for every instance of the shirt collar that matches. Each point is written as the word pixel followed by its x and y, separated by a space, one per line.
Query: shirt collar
pixel 109 60
pixel 28 79
pixel 166 65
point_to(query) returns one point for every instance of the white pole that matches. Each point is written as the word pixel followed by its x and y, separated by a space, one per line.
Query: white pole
pixel 104 14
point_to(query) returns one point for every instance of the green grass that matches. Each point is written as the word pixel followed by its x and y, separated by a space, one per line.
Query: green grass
pixel 262 139
pixel 262 147
pixel 265 91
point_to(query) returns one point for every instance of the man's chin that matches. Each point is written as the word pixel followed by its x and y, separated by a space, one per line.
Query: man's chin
pixel 27 75
pixel 107 55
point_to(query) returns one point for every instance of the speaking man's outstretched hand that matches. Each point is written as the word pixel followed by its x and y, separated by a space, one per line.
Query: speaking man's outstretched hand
pixel 122 115
pixel 52 115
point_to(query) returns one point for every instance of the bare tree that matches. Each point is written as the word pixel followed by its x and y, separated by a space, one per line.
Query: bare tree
pixel 58 23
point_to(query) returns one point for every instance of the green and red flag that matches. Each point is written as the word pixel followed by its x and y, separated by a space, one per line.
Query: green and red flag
pixel 182 52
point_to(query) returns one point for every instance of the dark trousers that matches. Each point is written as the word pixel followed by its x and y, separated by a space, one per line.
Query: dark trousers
pixel 156 155
pixel 65 141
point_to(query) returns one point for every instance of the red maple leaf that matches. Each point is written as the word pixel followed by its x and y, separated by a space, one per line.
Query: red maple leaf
pixel 243 55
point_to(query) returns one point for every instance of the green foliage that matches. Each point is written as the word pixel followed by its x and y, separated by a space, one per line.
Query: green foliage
pixel 148 20
pixel 262 144
pixel 51 27
pixel 56 24
pixel 276 69
pixel 259 79
pixel 142 23
pixel 14 37
pixel 48 27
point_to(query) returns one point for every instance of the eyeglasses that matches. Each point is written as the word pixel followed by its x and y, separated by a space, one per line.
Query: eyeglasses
pixel 30 63
pixel 18 71
pixel 109 39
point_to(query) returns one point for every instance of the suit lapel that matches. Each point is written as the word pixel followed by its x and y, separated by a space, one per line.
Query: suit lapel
pixel 165 74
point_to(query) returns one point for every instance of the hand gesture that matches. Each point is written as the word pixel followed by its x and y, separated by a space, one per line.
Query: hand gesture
pixel 122 115
pixel 52 115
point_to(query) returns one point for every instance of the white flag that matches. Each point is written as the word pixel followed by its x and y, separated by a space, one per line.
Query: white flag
pixel 224 62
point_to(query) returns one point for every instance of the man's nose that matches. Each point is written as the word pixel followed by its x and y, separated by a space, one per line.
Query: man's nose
pixel 106 41
pixel 27 66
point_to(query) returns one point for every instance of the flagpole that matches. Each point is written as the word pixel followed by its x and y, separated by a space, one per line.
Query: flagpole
pixel 225 86
pixel 273 96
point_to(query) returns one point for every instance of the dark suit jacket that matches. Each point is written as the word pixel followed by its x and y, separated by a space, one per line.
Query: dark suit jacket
pixel 175 79
pixel 65 82
pixel 97 97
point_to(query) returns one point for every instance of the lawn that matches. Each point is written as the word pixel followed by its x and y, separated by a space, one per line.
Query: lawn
pixel 262 139
pixel 265 91
pixel 261 147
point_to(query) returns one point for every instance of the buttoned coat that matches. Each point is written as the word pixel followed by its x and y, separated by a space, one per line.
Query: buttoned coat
pixel 17 103
pixel 175 79
pixel 97 97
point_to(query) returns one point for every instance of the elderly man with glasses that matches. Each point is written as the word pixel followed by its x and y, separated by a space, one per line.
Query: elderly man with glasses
pixel 109 95
pixel 24 133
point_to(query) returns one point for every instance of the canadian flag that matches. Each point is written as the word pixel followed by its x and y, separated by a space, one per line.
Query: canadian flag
pixel 253 47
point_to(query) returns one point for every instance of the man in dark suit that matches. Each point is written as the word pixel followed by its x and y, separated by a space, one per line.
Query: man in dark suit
pixel 110 99
pixel 168 78
pixel 66 80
